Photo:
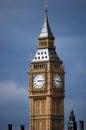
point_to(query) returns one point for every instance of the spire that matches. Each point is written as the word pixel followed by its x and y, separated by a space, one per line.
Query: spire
pixel 46 31
pixel 72 116
pixel 72 124
pixel 46 6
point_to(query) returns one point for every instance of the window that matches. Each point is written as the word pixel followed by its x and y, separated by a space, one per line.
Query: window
pixel 43 44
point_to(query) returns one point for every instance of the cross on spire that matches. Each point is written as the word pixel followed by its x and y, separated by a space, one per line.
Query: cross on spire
pixel 46 6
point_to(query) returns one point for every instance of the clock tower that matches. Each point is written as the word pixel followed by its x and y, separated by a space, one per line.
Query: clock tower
pixel 46 84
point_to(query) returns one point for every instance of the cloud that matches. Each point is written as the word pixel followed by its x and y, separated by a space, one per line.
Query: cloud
pixel 14 104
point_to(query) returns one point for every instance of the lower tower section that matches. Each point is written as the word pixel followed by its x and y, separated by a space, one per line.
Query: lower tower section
pixel 46 113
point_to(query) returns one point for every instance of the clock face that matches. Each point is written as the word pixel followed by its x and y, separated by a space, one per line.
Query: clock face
pixel 57 80
pixel 38 81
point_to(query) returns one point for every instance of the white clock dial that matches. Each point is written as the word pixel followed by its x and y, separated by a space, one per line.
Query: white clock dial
pixel 57 80
pixel 39 81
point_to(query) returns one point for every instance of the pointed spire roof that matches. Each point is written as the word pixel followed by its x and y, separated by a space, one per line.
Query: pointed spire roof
pixel 72 116
pixel 46 31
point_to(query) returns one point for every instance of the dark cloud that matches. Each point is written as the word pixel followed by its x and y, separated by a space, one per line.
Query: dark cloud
pixel 69 17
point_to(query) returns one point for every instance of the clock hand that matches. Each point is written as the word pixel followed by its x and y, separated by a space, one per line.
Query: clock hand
pixel 58 81
pixel 40 80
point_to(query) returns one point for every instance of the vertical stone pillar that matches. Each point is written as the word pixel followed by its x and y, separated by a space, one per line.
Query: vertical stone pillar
pixel 9 126
pixel 81 125
pixel 22 127
pixel 48 113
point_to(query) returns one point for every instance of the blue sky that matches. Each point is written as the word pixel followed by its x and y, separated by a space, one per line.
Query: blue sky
pixel 20 23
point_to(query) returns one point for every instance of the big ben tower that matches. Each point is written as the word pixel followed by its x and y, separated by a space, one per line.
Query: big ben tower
pixel 46 84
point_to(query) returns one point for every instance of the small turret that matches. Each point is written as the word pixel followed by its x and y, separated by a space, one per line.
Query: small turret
pixel 72 124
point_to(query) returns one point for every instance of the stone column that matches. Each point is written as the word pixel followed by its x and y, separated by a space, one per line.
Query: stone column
pixel 81 125
pixel 22 127
pixel 9 126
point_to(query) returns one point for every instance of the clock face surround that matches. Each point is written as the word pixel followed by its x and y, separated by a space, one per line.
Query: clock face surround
pixel 57 81
pixel 38 81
